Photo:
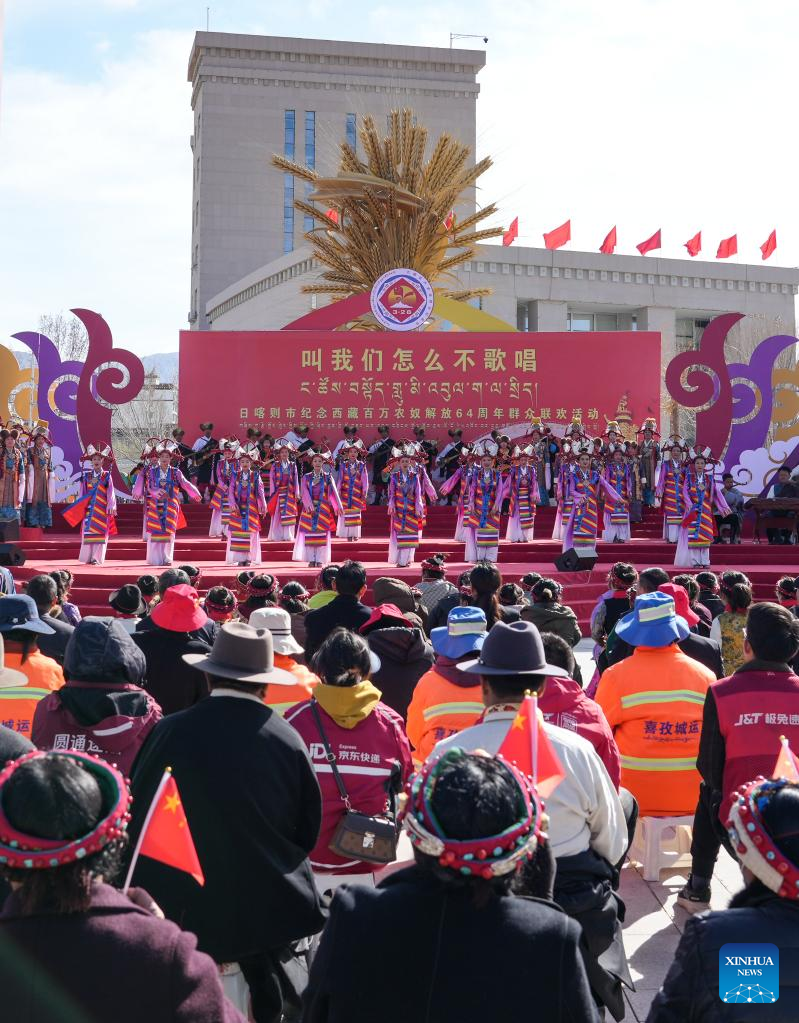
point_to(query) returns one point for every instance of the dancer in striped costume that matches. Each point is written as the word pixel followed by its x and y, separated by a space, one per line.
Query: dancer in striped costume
pixel 406 506
pixel 353 486
pixel 159 487
pixel 669 490
pixel 221 476
pixel 698 529
pixel 95 508
pixel 584 486
pixel 247 502
pixel 618 473
pixel 484 506
pixel 284 492
pixel 522 488
pixel 462 479
pixel 320 506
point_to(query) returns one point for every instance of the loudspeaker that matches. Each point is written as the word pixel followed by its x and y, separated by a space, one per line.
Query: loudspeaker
pixel 571 561
pixel 11 554
pixel 9 530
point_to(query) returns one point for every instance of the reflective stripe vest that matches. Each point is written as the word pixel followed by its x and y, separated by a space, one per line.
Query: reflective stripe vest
pixel 438 709
pixel 755 706
pixel 18 703
pixel 654 701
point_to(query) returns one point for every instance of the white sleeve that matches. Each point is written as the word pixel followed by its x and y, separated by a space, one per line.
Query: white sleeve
pixel 606 819
pixel 715 630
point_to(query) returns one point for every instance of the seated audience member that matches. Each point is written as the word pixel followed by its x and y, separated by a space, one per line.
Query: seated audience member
pixel 706 651
pixel 729 526
pixel 433 585
pixel 587 828
pixel 548 614
pixel 366 737
pixel 653 702
pixel 148 585
pixel 691 587
pixel 66 923
pixel 744 717
pixel 511 596
pixel 763 829
pixel 20 628
pixel 527 582
pixel 437 619
pixel 613 604
pixel 194 574
pixel 563 703
pixel 220 605
pixel 286 649
pixel 243 579
pixel 445 700
pixel 485 581
pixel 69 611
pixel 709 592
pixel 327 588
pixel 404 652
pixel 465 802
pixel 294 599
pixel 177 577
pixel 262 591
pixel 782 487
pixel 387 590
pixel 128 606
pixel 729 627
pixel 787 592
pixel 42 589
pixel 175 626
pixel 7 585
pixel 102 708
pixel 345 609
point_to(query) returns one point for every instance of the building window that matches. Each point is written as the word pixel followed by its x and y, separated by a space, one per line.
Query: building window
pixel 310 159
pixel 580 321
pixel 352 131
pixel 288 181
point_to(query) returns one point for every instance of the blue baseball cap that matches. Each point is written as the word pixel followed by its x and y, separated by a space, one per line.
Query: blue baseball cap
pixel 653 621
pixel 464 633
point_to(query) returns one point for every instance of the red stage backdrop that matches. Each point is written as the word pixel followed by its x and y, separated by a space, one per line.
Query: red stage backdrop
pixel 276 379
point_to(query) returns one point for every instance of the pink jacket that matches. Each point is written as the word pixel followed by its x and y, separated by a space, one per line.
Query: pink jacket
pixel 565 704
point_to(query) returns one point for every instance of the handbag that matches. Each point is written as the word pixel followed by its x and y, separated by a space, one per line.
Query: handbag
pixel 358 836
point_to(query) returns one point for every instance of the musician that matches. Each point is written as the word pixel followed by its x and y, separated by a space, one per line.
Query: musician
pixel 430 446
pixel 298 435
pixel 349 438
pixel 783 487
pixel 380 452
pixel 205 449
pixel 447 461
pixel 186 453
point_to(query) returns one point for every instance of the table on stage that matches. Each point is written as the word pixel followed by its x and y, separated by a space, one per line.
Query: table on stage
pixel 767 506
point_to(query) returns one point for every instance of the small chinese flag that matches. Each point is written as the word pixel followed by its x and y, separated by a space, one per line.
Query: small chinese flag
pixel 609 244
pixel 449 223
pixel 510 236
pixel 727 247
pixel 787 765
pixel 561 235
pixel 527 746
pixel 165 836
pixel 649 244
pixel 332 215
pixel 694 245
pixel 769 245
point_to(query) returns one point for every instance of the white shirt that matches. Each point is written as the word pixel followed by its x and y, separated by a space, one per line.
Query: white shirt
pixel 584 810
pixel 200 443
pixel 295 438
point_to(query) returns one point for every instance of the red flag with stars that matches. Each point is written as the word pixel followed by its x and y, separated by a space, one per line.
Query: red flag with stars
pixel 769 245
pixel 166 836
pixel 787 765
pixel 527 746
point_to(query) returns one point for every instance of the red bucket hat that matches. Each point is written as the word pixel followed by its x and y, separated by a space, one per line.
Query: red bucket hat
pixel 388 613
pixel 179 610
pixel 679 595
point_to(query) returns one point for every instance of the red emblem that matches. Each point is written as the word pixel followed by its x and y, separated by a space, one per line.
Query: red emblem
pixel 401 299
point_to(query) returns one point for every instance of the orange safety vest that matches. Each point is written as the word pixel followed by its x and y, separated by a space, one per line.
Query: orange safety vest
pixel 654 702
pixel 283 698
pixel 18 703
pixel 438 709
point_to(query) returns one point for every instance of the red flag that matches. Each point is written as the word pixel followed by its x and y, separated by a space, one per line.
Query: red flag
pixel 165 836
pixel 769 245
pixel 727 247
pixel 787 765
pixel 650 243
pixel 449 221
pixel 512 233
pixel 527 746
pixel 561 235
pixel 609 244
pixel 694 245
pixel 332 215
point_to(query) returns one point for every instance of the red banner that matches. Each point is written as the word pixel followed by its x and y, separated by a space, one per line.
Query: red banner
pixel 274 380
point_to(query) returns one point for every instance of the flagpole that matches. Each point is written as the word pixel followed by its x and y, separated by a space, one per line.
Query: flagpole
pixel 151 810
pixel 534 735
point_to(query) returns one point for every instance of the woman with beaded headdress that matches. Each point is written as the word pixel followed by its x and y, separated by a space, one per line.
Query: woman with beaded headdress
pixel 353 487
pixel 247 507
pixel 618 474
pixel 96 508
pixel 669 489
pixel 544 447
pixel 585 485
pixel 40 482
pixel 564 467
pixel 521 487
pixel 221 476
pixel 701 494
pixel 462 479
pixel 12 476
pixel 483 507
pixel 284 492
pixel 159 486
pixel 406 507
pixel 321 504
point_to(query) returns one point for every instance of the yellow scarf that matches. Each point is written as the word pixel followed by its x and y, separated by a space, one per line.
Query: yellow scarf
pixel 348 705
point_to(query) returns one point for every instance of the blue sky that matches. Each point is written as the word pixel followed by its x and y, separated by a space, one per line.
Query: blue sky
pixel 639 113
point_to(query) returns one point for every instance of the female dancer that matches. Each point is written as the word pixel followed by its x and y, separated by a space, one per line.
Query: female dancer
pixel 353 486
pixel 669 491
pixel 617 514
pixel 284 492
pixel 698 528
pixel 406 507
pixel 541 440
pixel 96 507
pixel 522 488
pixel 159 487
pixel 482 519
pixel 247 503
pixel 567 458
pixel 584 486
pixel 221 476
pixel 320 506
pixel 39 492
pixel 12 476
pixel 462 479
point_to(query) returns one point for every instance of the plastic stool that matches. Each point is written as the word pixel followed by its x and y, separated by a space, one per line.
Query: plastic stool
pixel 660 843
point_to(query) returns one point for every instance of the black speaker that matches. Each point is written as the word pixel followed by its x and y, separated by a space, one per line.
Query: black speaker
pixel 571 561
pixel 9 530
pixel 11 554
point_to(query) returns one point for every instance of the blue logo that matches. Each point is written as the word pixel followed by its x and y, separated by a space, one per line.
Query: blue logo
pixel 749 972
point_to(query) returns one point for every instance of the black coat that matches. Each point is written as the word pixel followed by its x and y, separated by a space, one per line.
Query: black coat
pixel 712 602
pixel 55 646
pixel 690 992
pixel 206 633
pixel 405 655
pixel 173 684
pixel 343 610
pixel 515 959
pixel 254 808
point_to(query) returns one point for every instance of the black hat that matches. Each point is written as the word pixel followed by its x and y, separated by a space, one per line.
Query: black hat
pixel 127 600
pixel 514 649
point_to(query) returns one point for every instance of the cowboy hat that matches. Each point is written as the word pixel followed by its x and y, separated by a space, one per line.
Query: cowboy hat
pixel 514 649
pixel 243 654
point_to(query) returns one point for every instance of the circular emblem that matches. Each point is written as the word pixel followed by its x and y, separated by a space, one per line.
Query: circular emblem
pixel 401 299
